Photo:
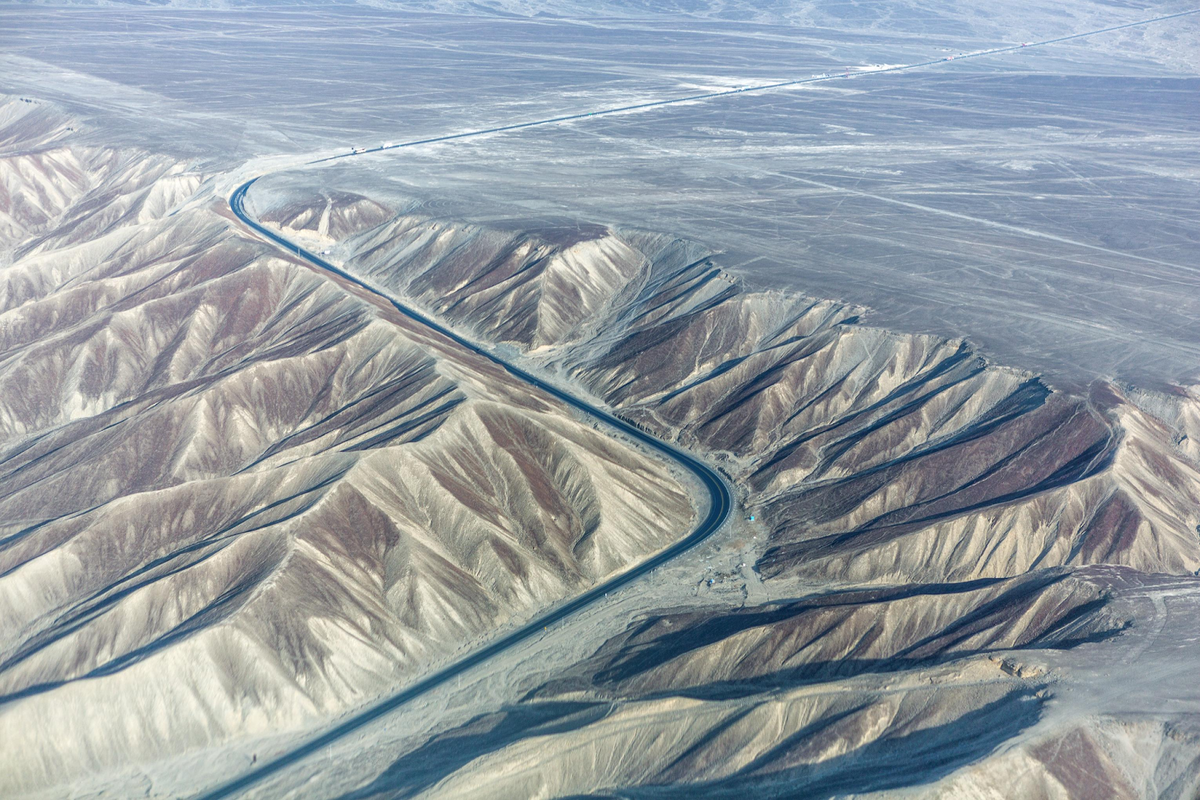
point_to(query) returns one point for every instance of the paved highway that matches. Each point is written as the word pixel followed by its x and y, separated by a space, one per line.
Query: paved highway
pixel 719 505
pixel 720 497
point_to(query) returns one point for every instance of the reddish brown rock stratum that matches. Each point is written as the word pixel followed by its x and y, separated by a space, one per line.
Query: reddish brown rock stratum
pixel 243 496
pixel 873 456
pixel 239 497
pixel 936 531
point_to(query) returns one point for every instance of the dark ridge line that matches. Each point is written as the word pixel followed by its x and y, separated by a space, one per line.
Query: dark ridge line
pixel 846 75
pixel 104 598
pixel 719 507
pixel 720 496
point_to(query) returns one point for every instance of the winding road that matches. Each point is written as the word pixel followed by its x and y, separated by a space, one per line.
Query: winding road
pixel 720 497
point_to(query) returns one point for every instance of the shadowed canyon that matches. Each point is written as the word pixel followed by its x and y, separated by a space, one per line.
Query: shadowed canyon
pixel 928 522
pixel 252 493
pixel 247 499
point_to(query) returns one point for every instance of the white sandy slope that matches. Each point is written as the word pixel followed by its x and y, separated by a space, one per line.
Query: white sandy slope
pixel 240 497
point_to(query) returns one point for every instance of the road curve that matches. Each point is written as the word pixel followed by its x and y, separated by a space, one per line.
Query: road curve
pixel 720 497
pixel 719 507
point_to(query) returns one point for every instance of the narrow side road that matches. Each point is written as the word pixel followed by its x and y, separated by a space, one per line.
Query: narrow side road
pixel 720 503
pixel 995 51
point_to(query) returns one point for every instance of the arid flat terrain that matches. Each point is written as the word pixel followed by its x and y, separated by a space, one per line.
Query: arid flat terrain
pixel 934 327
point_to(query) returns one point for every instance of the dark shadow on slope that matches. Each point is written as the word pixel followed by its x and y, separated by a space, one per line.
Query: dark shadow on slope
pixel 819 672
pixel 921 757
pixel 109 596
pixel 648 647
pixel 447 752
pixel 217 611
pixel 659 651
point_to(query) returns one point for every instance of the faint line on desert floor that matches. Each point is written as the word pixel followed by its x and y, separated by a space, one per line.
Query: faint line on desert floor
pixel 707 476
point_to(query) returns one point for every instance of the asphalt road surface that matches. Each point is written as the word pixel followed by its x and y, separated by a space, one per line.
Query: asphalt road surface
pixel 720 497
pixel 719 505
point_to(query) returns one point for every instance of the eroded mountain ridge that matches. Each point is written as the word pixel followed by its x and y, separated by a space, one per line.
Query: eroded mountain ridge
pixel 251 496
